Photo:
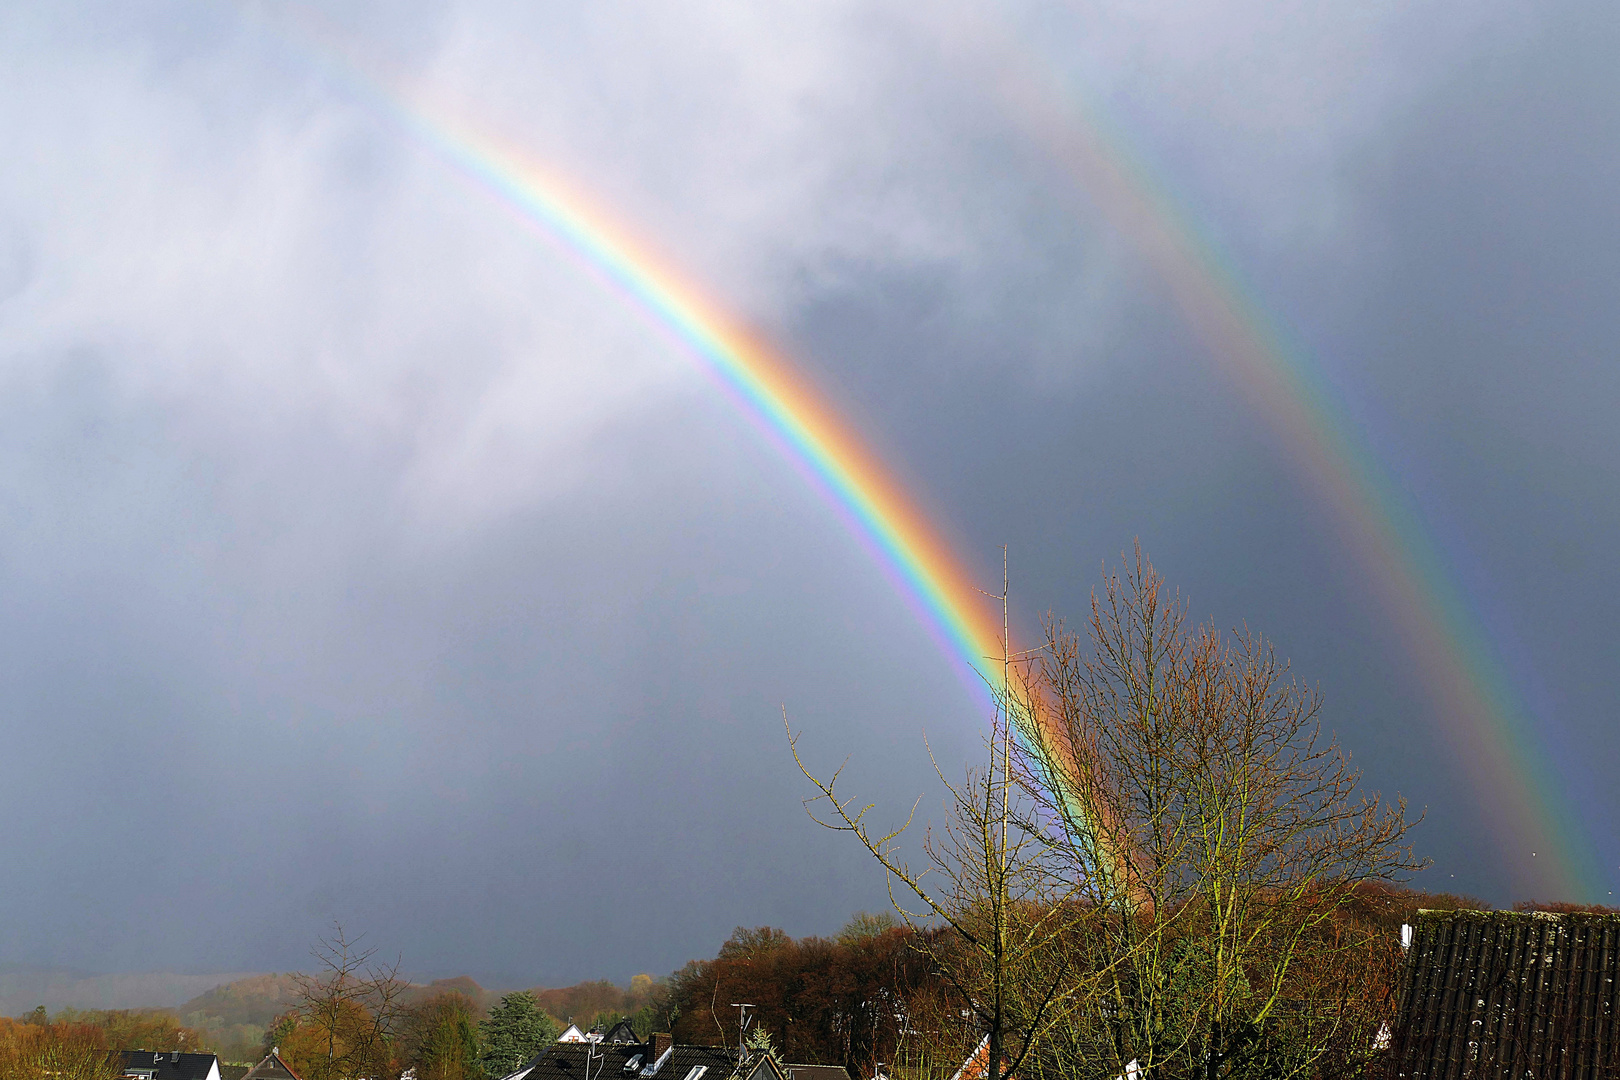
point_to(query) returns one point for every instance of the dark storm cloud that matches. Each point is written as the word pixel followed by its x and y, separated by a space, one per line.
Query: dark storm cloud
pixel 365 559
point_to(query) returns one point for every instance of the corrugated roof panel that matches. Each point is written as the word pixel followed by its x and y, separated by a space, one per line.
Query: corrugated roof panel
pixel 1510 996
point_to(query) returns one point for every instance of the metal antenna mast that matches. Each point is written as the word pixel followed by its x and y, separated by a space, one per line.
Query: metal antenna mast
pixel 742 1026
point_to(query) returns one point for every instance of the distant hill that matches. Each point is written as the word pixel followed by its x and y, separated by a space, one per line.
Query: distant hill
pixel 235 1015
pixel 258 999
pixel 235 1009
pixel 23 988
pixel 482 999
pixel 255 1000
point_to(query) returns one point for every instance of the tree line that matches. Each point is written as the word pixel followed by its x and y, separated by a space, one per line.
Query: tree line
pixel 884 998
pixel 85 1044
pixel 846 1000
pixel 357 1017
pixel 880 997
pixel 351 1018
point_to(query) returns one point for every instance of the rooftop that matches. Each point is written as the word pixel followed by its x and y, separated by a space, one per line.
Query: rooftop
pixel 1506 994
pixel 169 1065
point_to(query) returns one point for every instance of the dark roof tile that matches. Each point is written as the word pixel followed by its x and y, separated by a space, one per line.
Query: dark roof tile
pixel 814 1072
pixel 1510 994
pixel 168 1065
pixel 628 1061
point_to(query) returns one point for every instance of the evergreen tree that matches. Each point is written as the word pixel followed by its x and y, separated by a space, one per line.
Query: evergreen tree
pixel 515 1031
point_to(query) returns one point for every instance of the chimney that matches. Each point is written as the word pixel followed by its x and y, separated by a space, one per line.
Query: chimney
pixel 662 1041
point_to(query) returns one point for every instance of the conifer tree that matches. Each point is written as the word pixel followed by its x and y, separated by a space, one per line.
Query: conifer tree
pixel 515 1031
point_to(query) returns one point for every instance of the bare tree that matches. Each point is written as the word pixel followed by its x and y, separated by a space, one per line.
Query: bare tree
pixel 1213 837
pixel 349 1011
pixel 992 884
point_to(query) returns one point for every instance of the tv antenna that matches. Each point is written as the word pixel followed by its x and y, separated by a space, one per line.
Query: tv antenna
pixel 743 1018
pixel 593 1054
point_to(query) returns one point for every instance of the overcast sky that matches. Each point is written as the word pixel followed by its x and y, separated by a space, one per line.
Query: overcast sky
pixel 363 557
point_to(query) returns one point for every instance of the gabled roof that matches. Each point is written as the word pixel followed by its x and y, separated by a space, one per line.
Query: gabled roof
pixel 977 1066
pixel 1509 994
pixel 271 1068
pixel 621 1032
pixel 685 1063
pixel 765 1067
pixel 170 1065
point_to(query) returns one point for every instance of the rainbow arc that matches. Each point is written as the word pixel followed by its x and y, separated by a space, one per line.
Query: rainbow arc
pixel 1510 768
pixel 1485 719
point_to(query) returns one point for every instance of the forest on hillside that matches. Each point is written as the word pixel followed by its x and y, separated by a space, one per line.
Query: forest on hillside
pixel 870 998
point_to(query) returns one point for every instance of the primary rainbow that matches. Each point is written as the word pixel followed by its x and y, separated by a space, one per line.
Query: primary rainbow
pixel 771 392
pixel 767 388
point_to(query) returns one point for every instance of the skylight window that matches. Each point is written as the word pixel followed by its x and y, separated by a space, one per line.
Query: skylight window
pixel 697 1072
pixel 633 1064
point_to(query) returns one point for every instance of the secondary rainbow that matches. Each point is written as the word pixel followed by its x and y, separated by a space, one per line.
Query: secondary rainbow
pixel 1490 726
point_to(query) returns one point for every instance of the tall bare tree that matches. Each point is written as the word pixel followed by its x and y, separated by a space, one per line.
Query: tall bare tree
pixel 1214 837
pixel 992 884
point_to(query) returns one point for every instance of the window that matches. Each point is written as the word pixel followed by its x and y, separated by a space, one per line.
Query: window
pixel 633 1064
pixel 697 1072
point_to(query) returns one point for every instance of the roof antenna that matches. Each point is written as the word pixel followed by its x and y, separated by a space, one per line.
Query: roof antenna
pixel 742 1026
pixel 600 1055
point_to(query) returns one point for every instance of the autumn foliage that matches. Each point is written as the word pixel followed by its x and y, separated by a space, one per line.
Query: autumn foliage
pixel 599 1003
pixel 85 1044
pixel 61 1051
pixel 138 1029
pixel 846 1001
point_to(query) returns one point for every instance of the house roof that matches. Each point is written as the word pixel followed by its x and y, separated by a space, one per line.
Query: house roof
pixel 628 1061
pixel 169 1065
pixel 1509 994
pixel 271 1068
pixel 621 1032
pixel 813 1072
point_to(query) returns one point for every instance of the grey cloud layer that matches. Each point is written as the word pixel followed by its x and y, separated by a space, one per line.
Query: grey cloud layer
pixel 365 557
